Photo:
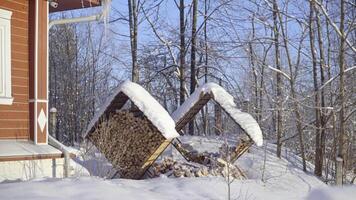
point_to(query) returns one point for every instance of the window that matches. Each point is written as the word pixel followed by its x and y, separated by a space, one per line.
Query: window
pixel 5 57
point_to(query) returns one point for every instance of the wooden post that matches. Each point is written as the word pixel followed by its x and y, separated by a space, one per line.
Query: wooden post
pixel 66 164
pixel 52 131
pixel 53 122
pixel 246 106
pixel 54 168
pixel 339 166
pixel 218 117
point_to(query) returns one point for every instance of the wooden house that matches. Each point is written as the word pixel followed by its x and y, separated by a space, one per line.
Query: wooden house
pixel 25 150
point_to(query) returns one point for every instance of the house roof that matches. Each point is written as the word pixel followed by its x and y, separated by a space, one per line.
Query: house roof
pixel 64 5
pixel 186 112
pixel 143 101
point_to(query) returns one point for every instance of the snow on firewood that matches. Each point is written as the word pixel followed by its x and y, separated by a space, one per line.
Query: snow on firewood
pixel 226 101
pixel 145 103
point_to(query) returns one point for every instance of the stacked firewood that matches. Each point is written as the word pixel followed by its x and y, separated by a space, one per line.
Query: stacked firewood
pixel 127 141
pixel 216 167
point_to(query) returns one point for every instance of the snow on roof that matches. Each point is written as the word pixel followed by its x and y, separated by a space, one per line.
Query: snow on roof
pixel 226 101
pixel 145 103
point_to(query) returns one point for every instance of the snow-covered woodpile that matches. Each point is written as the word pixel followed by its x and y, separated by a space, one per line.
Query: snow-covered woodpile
pixel 215 167
pixel 211 91
pixel 131 139
pixel 127 141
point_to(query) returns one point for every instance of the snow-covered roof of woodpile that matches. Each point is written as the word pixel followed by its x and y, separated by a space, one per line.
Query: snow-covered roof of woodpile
pixel 226 101
pixel 145 103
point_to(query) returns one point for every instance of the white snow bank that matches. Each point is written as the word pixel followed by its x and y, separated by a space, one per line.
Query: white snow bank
pixel 90 188
pixel 226 101
pixel 146 103
pixel 333 193
pixel 283 179
pixel 279 174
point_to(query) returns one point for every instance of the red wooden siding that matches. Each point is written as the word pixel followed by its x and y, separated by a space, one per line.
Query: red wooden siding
pixel 14 119
pixel 38 96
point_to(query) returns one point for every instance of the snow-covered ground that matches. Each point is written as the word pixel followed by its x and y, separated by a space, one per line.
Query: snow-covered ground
pixel 276 179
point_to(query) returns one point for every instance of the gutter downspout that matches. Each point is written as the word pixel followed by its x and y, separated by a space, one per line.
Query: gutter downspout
pixel 52 141
pixel 96 17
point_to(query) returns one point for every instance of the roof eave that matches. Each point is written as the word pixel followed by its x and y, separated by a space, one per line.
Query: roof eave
pixel 65 5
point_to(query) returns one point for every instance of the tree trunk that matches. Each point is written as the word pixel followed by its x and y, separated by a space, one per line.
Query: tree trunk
pixel 293 93
pixel 321 150
pixel 133 39
pixel 182 53
pixel 279 81
pixel 342 138
pixel 206 111
pixel 317 169
pixel 192 58
pixel 254 71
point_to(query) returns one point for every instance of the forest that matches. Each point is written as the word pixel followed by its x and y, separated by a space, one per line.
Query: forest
pixel 289 63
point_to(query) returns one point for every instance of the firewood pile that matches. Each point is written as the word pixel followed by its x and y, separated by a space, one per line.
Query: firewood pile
pixel 226 152
pixel 201 165
pixel 127 141
pixel 218 167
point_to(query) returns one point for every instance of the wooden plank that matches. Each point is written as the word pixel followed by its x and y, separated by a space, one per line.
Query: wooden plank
pixel 19 82
pixel 23 2
pixel 14 124
pixel 155 155
pixel 193 111
pixel 33 157
pixel 19 133
pixel 20 48
pixel 19 39
pixel 21 57
pixel 19 23
pixel 20 65
pixel 15 72
pixel 23 115
pixel 240 150
pixel 13 6
pixel 42 50
pixel 15 106
pixel 20 98
pixel 19 31
pixel 30 157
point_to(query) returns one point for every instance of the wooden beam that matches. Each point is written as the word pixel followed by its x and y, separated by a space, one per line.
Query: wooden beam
pixel 33 157
pixel 64 5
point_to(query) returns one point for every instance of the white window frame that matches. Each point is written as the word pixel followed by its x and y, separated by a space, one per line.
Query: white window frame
pixel 5 57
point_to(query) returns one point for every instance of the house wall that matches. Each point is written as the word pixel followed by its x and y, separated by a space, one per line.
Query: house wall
pixel 26 118
pixel 14 119
pixel 38 45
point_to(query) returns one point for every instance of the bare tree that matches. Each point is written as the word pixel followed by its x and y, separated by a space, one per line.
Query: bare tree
pixel 182 50
pixel 279 83
pixel 342 137
pixel 192 56
pixel 133 24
